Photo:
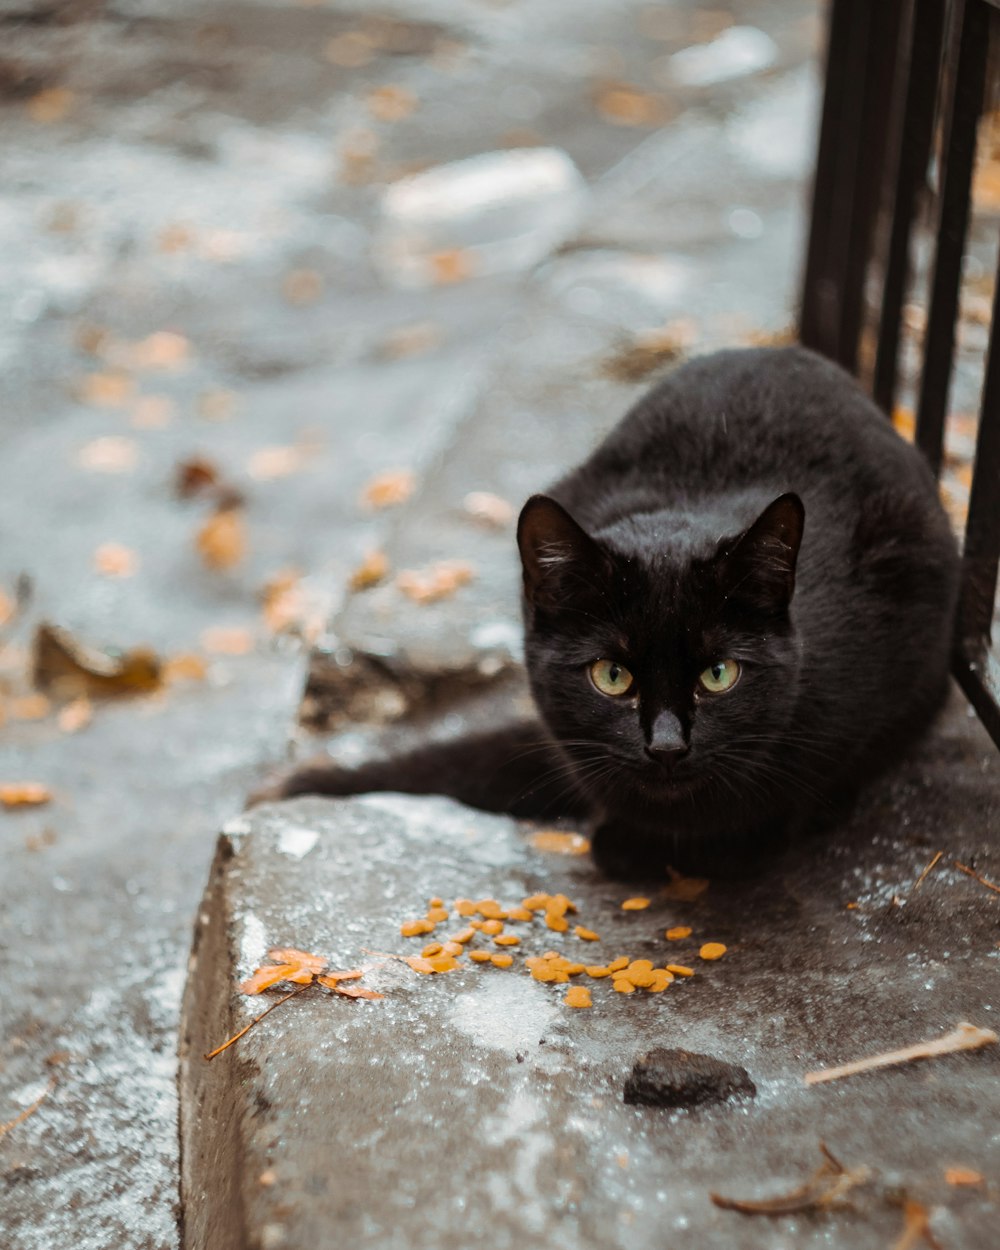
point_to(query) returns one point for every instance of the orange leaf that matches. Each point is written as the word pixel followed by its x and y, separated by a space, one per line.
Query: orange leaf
pixel 289 955
pixel 331 979
pixel 24 794
pixel 267 976
pixel 356 991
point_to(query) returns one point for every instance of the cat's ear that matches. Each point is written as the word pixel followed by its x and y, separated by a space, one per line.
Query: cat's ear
pixel 560 560
pixel 758 568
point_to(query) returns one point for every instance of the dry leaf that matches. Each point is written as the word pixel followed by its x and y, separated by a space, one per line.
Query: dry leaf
pixel 69 669
pixel 184 667
pixel 29 707
pixel 194 476
pixel 268 463
pixel 222 539
pixel 455 264
pixel 302 286
pixel 50 105
pixel 114 560
pixel 487 508
pixel 216 405
pixel 391 104
pixel 625 105
pixel 436 581
pixel 24 793
pixel 387 490
pixel 75 716
pixel 372 569
pixel 355 991
pixel 151 412
pixel 223 640
pixel 111 454
pixel 111 388
pixel 558 843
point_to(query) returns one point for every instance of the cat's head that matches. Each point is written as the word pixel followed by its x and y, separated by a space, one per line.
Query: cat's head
pixel 666 665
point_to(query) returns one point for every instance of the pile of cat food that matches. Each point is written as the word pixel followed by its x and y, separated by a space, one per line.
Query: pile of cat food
pixel 486 939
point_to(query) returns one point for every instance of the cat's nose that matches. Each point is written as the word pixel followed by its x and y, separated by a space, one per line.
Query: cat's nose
pixel 667 743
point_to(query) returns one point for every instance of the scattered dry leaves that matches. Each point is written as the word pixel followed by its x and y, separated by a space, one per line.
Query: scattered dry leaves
pixel 222 539
pixel 436 581
pixel 389 489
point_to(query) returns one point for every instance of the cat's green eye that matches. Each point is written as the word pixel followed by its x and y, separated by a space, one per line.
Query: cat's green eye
pixel 611 678
pixel 720 676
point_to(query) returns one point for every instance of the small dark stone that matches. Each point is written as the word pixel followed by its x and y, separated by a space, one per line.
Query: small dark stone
pixel 682 1078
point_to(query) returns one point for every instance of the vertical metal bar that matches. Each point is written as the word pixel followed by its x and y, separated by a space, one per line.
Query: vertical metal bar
pixel 960 150
pixel 836 173
pixel 926 36
pixel 981 553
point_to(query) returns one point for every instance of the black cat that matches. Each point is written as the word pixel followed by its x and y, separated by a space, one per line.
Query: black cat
pixel 736 610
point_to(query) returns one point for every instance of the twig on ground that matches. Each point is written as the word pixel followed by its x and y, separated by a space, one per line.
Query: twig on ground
pixel 916 1227
pixel 964 1036
pixel 256 1020
pixel 23 1115
pixel 828 1185
pixel 923 875
pixel 969 872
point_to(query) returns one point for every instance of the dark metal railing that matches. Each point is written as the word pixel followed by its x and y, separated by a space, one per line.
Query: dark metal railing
pixel 905 81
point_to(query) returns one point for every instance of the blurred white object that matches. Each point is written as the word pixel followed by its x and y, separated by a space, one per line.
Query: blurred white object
pixel 737 51
pixel 493 213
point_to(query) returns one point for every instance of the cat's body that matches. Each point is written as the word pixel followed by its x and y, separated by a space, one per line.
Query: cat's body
pixel 712 670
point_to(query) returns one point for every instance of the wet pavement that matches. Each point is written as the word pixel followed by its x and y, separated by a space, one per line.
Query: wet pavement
pixel 199 259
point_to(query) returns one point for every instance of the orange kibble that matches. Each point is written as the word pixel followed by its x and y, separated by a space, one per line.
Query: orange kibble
pixel 597 970
pixel 680 971
pixel 545 974
pixel 480 957
pixel 432 948
pixel 635 904
pixel 661 979
pixel 641 980
pixel 466 935
pixel 574 970
pixel 678 932
pixel 712 950
pixel 535 902
pixel 559 905
pixel 435 902
pixel 418 964
pixel 559 978
pixel 465 907
pixel 453 948
pixel 518 913
pixel 586 935
pixel 437 914
pixel 616 965
pixel 507 939
pixel 443 963
pixel 490 909
pixel 414 928
pixel 641 965
pixel 622 986
pixel 492 927
pixel 502 961
pixel 578 996
pixel 556 923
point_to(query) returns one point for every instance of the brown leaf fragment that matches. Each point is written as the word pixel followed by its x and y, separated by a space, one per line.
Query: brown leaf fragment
pixel 649 351
pixel 270 975
pixel 195 476
pixel 222 540
pixel 289 955
pixel 969 872
pixel 30 1110
pixel 69 669
pixel 964 1036
pixel 827 1186
pixel 24 794
pixel 332 979
pixel 926 871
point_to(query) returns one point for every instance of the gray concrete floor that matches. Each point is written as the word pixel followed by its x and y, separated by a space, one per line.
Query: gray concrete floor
pixel 210 170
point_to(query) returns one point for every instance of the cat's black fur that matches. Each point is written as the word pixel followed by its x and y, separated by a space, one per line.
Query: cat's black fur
pixel 753 506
